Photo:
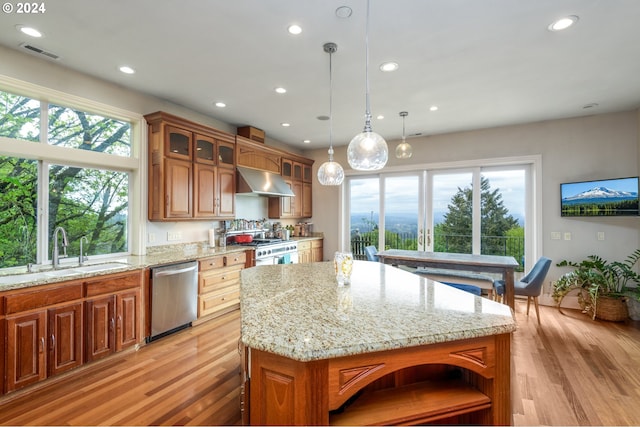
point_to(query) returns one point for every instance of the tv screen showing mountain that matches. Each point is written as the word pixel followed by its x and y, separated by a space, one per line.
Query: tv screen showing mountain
pixel 609 197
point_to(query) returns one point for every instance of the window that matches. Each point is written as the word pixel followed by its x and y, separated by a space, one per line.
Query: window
pixel 74 172
pixel 481 209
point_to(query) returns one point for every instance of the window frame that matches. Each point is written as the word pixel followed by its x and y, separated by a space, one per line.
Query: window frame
pixel 533 199
pixel 134 165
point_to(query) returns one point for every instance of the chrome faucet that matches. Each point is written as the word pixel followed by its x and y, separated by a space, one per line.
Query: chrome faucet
pixel 56 250
pixel 82 258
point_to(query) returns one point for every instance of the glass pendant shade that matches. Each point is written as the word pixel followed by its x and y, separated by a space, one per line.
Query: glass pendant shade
pixel 403 150
pixel 367 151
pixel 330 173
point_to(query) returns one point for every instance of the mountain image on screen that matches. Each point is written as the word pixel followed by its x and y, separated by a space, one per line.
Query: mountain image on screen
pixel 615 197
pixel 601 194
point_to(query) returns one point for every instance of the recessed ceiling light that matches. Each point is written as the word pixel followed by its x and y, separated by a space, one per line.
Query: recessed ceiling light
pixel 280 90
pixel 294 29
pixel 433 108
pixel 29 31
pixel 389 66
pixel 285 125
pixel 323 118
pixel 380 117
pixel 307 141
pixel 127 70
pixel 220 104
pixel 344 12
pixel 563 23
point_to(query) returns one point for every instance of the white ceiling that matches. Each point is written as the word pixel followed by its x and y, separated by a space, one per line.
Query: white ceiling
pixel 484 63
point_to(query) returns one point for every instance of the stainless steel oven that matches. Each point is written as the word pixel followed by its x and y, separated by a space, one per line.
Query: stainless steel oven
pixel 276 251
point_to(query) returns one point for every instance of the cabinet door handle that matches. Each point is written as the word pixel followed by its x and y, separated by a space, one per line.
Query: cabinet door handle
pixel 41 344
pixel 112 323
pixel 53 342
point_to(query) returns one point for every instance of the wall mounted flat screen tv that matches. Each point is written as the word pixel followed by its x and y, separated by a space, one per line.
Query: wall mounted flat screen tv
pixel 607 197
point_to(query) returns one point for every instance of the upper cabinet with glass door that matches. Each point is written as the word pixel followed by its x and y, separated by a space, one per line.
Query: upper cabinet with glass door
pixel 200 154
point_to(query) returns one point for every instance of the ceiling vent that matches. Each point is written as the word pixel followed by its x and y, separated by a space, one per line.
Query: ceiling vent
pixel 34 49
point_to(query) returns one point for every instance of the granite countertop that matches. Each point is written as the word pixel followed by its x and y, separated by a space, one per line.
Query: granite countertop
pixel 298 311
pixel 170 254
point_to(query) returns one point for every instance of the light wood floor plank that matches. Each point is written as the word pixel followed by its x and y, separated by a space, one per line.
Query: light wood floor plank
pixel 569 370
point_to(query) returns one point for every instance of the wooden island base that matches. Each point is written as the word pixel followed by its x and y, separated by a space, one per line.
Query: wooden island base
pixel 459 382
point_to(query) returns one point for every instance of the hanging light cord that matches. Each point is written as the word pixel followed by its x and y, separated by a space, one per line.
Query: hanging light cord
pixel 330 107
pixel 403 116
pixel 367 114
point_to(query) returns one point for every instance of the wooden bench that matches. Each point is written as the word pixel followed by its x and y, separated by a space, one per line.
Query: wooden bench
pixel 482 281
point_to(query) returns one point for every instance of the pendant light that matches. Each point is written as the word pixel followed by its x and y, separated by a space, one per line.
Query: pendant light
pixel 367 150
pixel 403 150
pixel 330 173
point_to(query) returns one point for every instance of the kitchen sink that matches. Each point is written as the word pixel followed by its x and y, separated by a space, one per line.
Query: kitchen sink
pixel 58 273
pixel 100 267
pixel 65 272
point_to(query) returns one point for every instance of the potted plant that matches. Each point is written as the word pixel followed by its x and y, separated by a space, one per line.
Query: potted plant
pixel 604 286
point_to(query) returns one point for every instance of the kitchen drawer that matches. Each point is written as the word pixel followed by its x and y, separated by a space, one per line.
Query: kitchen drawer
pixel 216 301
pixel 304 245
pixel 114 283
pixel 30 300
pixel 220 261
pixel 317 243
pixel 216 279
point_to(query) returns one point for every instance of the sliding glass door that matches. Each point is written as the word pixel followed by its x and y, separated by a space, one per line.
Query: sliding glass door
pixel 477 210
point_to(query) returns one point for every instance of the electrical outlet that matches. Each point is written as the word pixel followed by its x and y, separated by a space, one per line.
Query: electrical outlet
pixel 567 236
pixel 173 236
pixel 151 237
pixel 555 235
pixel 600 235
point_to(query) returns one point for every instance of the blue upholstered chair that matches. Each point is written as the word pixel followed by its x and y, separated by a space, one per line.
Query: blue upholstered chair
pixel 371 253
pixel 530 285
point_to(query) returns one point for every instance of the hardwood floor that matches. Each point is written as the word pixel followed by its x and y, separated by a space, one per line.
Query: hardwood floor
pixel 569 370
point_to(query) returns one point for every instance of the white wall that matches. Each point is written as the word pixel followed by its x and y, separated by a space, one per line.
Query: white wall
pixel 592 147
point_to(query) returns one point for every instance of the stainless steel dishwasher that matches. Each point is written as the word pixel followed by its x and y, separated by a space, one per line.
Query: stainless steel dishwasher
pixel 174 298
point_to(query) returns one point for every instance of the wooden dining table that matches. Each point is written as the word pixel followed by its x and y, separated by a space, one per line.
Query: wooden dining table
pixel 504 265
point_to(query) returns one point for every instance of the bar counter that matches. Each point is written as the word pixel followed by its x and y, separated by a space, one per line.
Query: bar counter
pixel 310 345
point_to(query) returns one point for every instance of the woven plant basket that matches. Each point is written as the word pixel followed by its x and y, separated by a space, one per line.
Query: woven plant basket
pixel 612 309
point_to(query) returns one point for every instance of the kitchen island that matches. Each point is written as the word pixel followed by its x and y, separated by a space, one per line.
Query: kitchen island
pixel 390 348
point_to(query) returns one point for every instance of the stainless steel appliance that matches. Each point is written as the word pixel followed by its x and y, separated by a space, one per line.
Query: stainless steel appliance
pixel 174 298
pixel 275 251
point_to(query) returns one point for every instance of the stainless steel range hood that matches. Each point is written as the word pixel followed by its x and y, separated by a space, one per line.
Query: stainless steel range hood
pixel 261 183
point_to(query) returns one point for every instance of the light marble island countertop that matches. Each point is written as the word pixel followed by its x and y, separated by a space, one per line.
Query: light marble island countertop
pixel 298 311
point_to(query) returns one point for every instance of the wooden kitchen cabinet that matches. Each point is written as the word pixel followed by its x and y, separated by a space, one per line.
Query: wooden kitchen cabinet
pixel 317 250
pixel 113 314
pixel 304 252
pixel 43 333
pixel 50 329
pixel 64 325
pixel 27 349
pixel 219 283
pixel 100 327
pixel 178 188
pixel 297 174
pixel 310 250
pixel 191 170
pixel 257 156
